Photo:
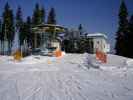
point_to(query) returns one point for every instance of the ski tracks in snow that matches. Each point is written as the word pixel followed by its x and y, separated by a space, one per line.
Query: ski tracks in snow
pixel 63 79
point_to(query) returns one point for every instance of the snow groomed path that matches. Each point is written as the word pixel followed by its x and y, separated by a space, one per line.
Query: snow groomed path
pixel 67 78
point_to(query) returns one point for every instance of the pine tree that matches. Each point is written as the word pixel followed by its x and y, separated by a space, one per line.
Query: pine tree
pixel 19 23
pixel 121 41
pixel 8 25
pixel 37 19
pixel 37 15
pixel 131 24
pixel 42 10
pixel 80 28
pixel 0 30
pixel 25 31
pixel 1 36
pixel 51 17
pixel 52 20
pixel 19 19
pixel 22 33
pixel 130 38
pixel 29 36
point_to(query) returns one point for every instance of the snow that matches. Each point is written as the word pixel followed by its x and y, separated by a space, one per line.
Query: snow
pixel 71 77
pixel 97 35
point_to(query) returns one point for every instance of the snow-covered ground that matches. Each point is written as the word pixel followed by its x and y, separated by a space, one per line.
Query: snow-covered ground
pixel 72 77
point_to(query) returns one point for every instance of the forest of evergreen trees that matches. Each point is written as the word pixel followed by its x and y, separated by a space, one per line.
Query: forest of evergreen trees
pixel 10 22
pixel 124 35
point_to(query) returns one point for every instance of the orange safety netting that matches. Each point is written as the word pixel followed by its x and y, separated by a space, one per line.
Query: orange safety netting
pixel 101 56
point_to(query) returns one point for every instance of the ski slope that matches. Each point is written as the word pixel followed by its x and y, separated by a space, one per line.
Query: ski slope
pixel 72 77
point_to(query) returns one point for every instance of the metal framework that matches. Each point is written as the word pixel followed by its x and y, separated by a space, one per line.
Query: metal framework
pixel 48 33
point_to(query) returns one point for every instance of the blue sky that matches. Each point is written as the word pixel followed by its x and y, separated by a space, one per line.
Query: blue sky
pixel 95 15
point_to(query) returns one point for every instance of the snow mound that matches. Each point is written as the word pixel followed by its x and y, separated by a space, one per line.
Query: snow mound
pixel 129 62
pixel 90 61
pixel 118 61
pixel 114 62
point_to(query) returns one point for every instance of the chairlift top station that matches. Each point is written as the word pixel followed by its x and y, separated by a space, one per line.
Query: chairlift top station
pixel 39 29
pixel 44 30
